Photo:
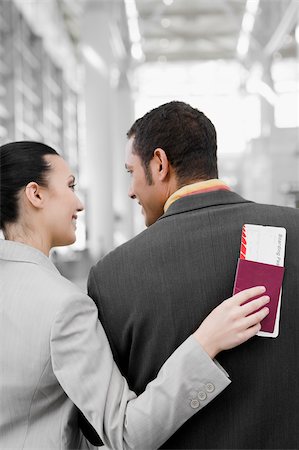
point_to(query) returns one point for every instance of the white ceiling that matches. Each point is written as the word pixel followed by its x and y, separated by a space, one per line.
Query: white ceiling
pixel 190 29
pixel 194 30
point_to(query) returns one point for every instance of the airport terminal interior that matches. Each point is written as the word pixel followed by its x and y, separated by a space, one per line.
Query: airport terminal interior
pixel 75 74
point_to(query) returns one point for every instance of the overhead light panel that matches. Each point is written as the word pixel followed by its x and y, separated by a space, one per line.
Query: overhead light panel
pixel 252 6
pixel 136 51
pixel 248 22
pixel 134 32
pixel 251 10
pixel 243 44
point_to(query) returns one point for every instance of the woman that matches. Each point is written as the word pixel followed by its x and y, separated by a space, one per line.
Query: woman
pixel 56 358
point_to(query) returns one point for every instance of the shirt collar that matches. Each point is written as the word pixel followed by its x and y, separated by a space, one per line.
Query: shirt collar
pixel 196 188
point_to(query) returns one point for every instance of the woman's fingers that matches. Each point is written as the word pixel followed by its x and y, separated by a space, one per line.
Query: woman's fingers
pixel 233 321
pixel 247 294
pixel 251 325
pixel 256 317
pixel 250 332
pixel 254 305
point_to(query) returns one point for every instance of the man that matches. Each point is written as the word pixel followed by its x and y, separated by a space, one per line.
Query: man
pixel 159 285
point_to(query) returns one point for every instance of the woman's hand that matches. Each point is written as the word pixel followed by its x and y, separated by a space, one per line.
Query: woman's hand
pixel 233 322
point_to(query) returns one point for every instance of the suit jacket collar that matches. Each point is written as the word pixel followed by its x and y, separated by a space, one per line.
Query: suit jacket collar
pixel 15 251
pixel 203 200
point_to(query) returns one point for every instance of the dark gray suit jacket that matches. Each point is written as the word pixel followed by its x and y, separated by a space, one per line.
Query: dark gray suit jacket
pixel 159 286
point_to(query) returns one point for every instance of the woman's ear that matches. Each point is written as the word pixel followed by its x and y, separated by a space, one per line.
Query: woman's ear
pixel 34 194
pixel 161 164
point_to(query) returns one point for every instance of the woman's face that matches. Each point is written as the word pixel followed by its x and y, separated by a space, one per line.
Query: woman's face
pixel 61 203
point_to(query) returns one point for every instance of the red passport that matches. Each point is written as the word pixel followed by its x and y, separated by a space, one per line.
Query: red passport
pixel 250 274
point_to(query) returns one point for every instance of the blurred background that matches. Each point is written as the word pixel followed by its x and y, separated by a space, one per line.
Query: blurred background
pixel 75 74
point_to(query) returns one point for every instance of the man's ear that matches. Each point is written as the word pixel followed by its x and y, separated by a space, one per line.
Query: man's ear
pixel 34 194
pixel 160 164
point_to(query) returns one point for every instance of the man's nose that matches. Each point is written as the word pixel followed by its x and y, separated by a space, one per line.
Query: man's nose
pixel 131 193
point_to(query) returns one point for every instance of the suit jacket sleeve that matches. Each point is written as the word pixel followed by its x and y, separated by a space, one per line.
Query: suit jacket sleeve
pixel 83 364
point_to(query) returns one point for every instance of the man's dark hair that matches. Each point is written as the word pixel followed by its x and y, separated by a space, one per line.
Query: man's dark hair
pixel 20 163
pixel 186 135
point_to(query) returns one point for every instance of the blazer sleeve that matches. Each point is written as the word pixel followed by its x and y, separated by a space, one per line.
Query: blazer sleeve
pixel 83 364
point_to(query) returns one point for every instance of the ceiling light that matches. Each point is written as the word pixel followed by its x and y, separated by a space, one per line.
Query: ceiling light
pixel 248 22
pixel 134 32
pixel 247 27
pixel 168 2
pixel 131 8
pixel 252 6
pixel 165 22
pixel 136 51
pixel 243 44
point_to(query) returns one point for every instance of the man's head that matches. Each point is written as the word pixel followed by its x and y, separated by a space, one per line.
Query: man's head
pixel 169 147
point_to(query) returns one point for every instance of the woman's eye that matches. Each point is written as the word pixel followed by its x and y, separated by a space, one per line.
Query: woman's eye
pixel 72 186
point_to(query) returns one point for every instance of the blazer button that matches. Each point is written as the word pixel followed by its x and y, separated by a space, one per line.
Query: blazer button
pixel 210 387
pixel 194 403
pixel 193 395
pixel 202 395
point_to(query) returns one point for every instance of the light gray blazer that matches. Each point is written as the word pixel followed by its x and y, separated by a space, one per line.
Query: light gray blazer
pixel 55 358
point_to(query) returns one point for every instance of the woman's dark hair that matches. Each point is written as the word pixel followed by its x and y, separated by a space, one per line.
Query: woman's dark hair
pixel 20 163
